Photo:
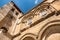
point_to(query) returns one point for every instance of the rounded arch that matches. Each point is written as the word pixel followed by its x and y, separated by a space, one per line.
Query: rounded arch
pixel 28 36
pixel 49 29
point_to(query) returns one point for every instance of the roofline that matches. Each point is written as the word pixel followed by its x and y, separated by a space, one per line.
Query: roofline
pixel 36 6
pixel 29 10
pixel 33 8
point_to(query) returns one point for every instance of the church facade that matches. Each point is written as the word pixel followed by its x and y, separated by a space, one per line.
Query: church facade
pixel 40 23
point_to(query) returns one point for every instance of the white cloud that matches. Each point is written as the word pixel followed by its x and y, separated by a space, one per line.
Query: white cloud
pixel 36 1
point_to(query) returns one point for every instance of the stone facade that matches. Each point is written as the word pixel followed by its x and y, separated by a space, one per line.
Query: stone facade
pixel 40 23
pixel 9 17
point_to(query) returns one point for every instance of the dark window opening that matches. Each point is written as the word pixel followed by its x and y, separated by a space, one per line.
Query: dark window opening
pixel 4 29
pixel 16 13
pixel 12 9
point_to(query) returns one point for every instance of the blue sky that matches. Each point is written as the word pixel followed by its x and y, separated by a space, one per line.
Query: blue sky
pixel 23 5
